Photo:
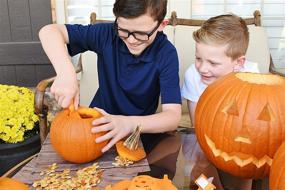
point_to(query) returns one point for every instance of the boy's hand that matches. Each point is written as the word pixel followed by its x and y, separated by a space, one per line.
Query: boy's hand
pixel 116 126
pixel 65 89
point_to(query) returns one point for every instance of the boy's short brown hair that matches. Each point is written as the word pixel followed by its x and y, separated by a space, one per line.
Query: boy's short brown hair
pixel 135 8
pixel 227 29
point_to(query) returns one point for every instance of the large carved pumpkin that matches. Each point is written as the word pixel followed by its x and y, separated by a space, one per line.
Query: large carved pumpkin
pixel 9 184
pixel 143 182
pixel 240 122
pixel 277 170
pixel 71 135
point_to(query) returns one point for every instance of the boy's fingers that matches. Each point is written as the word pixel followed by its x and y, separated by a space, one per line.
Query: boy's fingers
pixel 66 102
pixel 60 100
pixel 101 128
pixel 110 144
pixel 101 120
pixel 105 137
pixel 103 112
pixel 56 96
pixel 76 101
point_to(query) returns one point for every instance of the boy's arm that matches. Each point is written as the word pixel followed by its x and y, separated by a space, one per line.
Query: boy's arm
pixel 191 108
pixel 166 120
pixel 120 126
pixel 54 38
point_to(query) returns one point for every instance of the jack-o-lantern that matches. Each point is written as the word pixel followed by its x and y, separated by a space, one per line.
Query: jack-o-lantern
pixel 277 174
pixel 143 182
pixel 240 121
pixel 8 184
pixel 71 135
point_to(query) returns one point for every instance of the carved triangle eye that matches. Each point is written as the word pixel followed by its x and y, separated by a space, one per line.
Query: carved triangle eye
pixel 266 114
pixel 231 108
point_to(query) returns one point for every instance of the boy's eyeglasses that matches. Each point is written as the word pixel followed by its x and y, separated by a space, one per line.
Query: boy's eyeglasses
pixel 141 36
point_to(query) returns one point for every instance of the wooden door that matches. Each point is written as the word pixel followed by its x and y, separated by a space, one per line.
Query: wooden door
pixel 22 59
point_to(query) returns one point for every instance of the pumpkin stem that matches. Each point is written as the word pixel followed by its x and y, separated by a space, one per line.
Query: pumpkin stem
pixel 132 142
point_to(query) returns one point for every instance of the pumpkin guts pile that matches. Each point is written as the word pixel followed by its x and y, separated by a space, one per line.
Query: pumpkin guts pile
pixel 86 178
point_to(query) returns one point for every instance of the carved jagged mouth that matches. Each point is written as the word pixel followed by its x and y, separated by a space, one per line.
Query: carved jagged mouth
pixel 239 161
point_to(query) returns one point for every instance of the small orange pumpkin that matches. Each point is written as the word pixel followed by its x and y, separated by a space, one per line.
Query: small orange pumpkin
pixel 143 182
pixel 71 135
pixel 9 184
pixel 133 155
pixel 277 174
pixel 239 122
pixel 122 185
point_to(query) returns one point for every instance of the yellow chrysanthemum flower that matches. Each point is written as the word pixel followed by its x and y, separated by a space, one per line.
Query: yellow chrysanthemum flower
pixel 16 113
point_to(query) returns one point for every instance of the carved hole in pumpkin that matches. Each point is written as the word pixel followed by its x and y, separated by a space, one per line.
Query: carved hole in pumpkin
pixel 85 116
pixel 87 113
pixel 240 159
pixel 231 108
pixel 266 114
pixel 243 140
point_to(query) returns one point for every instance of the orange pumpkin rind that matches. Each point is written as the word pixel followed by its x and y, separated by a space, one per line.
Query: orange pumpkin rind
pixel 8 184
pixel 71 128
pixel 143 182
pixel 277 175
pixel 84 111
pixel 122 185
pixel 242 110
pixel 89 112
pixel 133 155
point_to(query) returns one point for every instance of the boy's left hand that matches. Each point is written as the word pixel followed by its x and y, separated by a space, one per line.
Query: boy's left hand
pixel 116 126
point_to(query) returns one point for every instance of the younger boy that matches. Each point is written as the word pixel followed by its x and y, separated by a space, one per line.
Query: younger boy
pixel 136 64
pixel 221 45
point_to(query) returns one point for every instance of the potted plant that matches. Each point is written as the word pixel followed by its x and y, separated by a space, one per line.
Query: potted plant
pixel 19 129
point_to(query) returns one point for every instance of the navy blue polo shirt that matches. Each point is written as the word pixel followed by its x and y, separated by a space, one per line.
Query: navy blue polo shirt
pixel 128 84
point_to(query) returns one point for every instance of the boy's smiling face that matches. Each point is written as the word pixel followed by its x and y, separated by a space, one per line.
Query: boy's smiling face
pixel 212 62
pixel 144 23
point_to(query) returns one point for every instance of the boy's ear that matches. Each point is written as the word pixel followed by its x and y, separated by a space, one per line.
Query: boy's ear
pixel 239 63
pixel 163 24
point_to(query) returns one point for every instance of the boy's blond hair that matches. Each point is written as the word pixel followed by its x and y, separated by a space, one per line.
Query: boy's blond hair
pixel 229 30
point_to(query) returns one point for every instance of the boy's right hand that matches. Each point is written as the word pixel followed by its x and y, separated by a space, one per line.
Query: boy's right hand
pixel 54 38
pixel 65 89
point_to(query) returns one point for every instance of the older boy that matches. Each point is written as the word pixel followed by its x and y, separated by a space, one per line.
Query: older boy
pixel 136 64
pixel 221 45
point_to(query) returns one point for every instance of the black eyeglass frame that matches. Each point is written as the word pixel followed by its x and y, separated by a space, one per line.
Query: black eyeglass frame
pixel 116 28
